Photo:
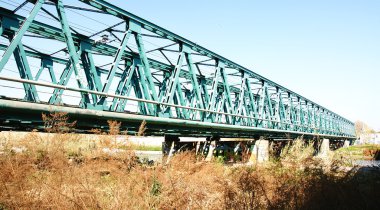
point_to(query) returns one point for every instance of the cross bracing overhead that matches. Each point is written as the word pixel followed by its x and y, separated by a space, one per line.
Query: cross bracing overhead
pixel 115 62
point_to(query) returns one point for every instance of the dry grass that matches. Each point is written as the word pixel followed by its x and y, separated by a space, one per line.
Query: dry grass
pixel 142 129
pixel 63 171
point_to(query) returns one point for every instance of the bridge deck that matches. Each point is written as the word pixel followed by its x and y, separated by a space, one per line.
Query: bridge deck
pixel 27 116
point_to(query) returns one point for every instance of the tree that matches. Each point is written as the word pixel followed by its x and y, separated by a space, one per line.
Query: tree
pixel 363 131
pixel 57 122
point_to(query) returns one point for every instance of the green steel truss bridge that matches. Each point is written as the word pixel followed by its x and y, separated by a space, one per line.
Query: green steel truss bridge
pixel 115 65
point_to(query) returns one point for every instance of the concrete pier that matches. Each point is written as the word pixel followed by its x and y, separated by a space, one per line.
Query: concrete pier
pixel 346 143
pixel 324 148
pixel 260 152
pixel 211 149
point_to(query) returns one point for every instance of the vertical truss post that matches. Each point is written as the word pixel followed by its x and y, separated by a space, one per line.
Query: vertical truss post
pixel 1 29
pixel 334 124
pixel 240 100
pixel 332 119
pixel 315 119
pixel 189 96
pixel 92 75
pixel 276 115
pixel 269 106
pixel 292 114
pixel 179 94
pixel 25 73
pixel 319 116
pixel 339 126
pixel 320 125
pixel 323 121
pixel 162 90
pixel 136 28
pixel 321 128
pixel 20 33
pixel 247 112
pixel 298 114
pixel 124 87
pixel 301 115
pixel 145 89
pixel 146 67
pixel 74 57
pixel 194 80
pixel 64 79
pixel 251 102
pixel 220 105
pixel 305 117
pixel 329 123
pixel 262 106
pixel 266 107
pixel 281 111
pixel 172 84
pixel 137 88
pixel 214 92
pixel 314 130
pixel 205 95
pixel 164 85
pixel 227 93
pixel 52 74
pixel 309 120
pixel 179 112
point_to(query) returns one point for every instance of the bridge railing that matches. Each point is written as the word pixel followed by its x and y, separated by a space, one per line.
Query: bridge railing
pixel 157 73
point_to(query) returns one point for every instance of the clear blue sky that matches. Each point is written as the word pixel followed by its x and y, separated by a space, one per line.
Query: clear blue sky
pixel 325 50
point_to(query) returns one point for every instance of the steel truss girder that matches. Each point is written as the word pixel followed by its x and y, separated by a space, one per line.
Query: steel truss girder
pixel 296 113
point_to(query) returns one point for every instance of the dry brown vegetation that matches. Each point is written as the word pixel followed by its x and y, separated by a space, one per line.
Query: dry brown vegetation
pixel 67 171
pixel 57 122
pixel 62 171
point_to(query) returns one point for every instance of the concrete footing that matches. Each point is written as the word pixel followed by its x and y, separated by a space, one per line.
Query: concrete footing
pixel 324 148
pixel 260 152
pixel 346 144
pixel 210 153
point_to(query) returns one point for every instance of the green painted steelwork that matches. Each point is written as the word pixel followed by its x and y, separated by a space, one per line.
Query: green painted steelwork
pixel 208 90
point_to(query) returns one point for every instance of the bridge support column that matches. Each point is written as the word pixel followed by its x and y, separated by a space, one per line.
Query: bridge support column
pixel 169 147
pixel 211 144
pixel 324 148
pixel 260 152
pixel 346 143
pixel 197 147
pixel 210 153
